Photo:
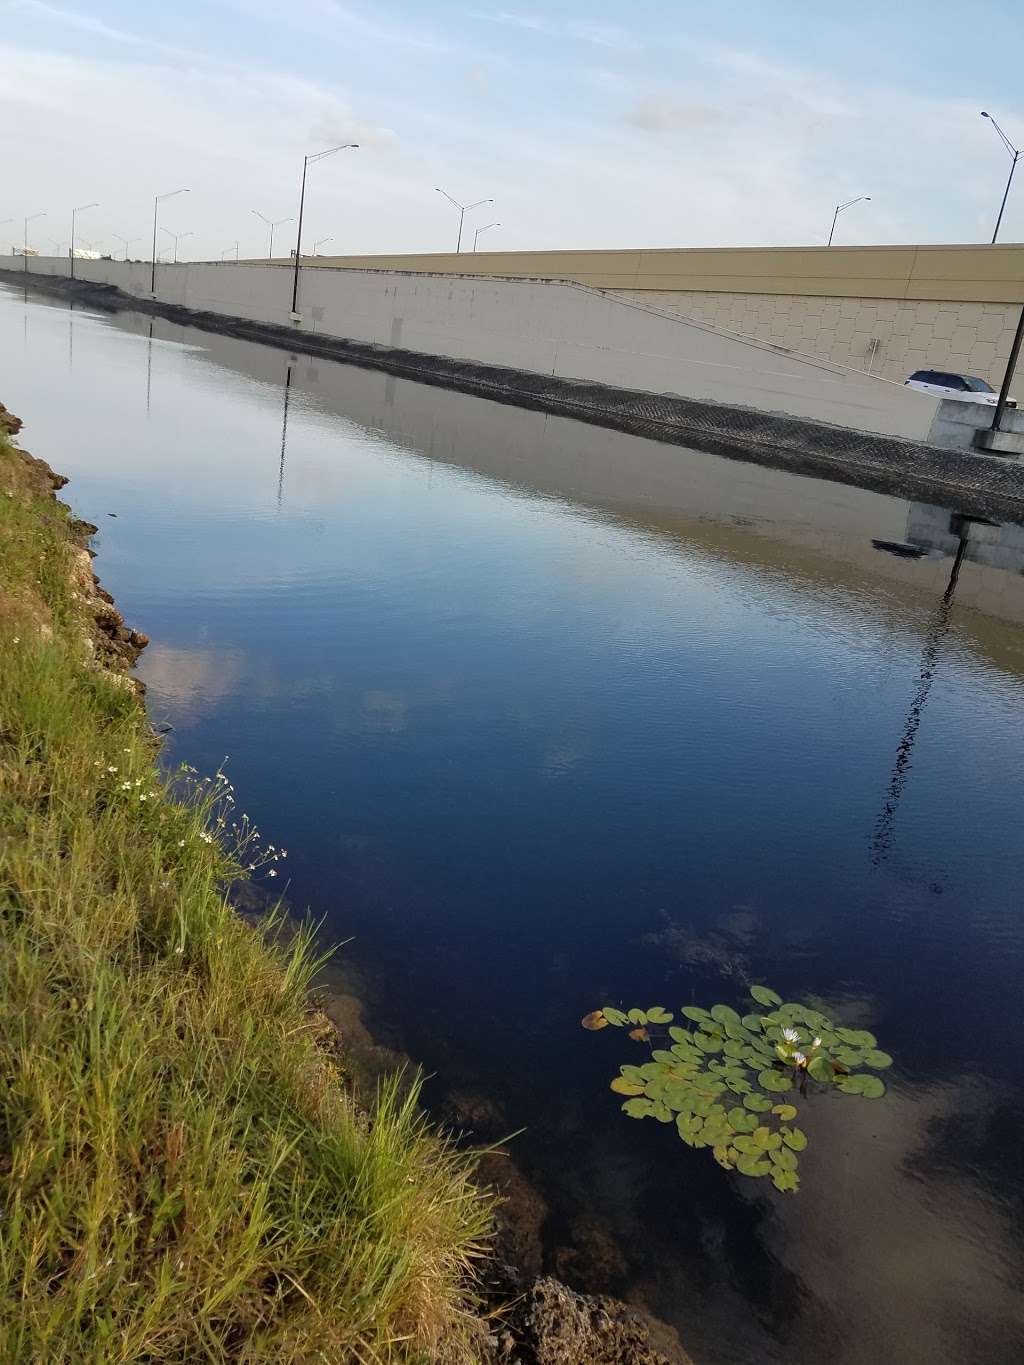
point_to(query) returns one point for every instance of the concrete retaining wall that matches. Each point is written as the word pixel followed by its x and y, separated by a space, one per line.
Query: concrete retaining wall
pixel 545 327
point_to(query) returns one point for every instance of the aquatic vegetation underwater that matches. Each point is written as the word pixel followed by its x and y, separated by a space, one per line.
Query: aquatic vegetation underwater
pixel 720 1080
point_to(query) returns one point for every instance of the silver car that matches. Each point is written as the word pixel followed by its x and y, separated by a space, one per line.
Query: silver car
pixel 968 388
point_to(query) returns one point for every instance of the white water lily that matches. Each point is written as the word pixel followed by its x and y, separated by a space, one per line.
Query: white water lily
pixel 790 1035
pixel 816 1043
pixel 799 1058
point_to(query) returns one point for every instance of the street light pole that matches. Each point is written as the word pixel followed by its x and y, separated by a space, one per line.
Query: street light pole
pixel 272 224
pixel 306 160
pixel 861 198
pixel 125 242
pixel 81 209
pixel 24 251
pixel 156 204
pixel 463 210
pixel 176 238
pixel 1015 153
pixel 1011 365
pixel 228 249
pixel 320 241
pixel 486 228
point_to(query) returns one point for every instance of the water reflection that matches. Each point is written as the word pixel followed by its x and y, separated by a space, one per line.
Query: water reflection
pixel 547 715
pixel 937 631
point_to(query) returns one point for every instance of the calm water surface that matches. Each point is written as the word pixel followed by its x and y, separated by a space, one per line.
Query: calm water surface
pixel 549 716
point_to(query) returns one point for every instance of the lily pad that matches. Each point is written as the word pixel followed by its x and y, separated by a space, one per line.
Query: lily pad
pixel 759 1104
pixel 876 1059
pixel 623 1087
pixel 637 1017
pixel 774 1080
pixel 820 1069
pixel 794 1138
pixel 614 1016
pixel 638 1109
pixel 695 1013
pixel 869 1086
pixel 784 1111
pixel 786 1181
pixel 857 1037
pixel 784 1157
pixel 764 995
pixel 594 1020
pixel 749 1164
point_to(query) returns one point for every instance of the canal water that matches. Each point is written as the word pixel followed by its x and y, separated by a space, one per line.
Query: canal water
pixel 548 717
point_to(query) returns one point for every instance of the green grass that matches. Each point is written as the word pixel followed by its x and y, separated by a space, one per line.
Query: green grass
pixel 184 1175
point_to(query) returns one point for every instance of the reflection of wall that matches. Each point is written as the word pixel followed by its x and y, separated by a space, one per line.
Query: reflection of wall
pixel 996 555
pixel 547 327
pixel 807 528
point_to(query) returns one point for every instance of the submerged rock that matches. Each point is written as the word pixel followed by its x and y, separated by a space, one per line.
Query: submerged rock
pixel 552 1325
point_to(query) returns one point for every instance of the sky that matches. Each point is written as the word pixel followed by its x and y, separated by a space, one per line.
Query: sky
pixel 658 123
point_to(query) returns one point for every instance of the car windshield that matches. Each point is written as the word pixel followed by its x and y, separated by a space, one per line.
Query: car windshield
pixel 977 385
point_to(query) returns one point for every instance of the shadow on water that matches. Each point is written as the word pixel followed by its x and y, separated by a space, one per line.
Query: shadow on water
pixel 550 717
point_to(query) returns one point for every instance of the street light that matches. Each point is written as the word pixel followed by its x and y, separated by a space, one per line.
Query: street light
pixel 228 250
pixel 177 238
pixel 861 198
pixel 156 204
pixel 1016 153
pixel 30 219
pixel 320 241
pixel 463 210
pixel 486 228
pixel 81 209
pixel 271 223
pixel 316 156
pixel 125 241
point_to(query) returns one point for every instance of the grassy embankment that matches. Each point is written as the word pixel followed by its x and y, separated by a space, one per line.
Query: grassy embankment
pixel 183 1174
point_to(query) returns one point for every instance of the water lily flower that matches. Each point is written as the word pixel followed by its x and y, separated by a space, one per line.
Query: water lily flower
pixel 790 1035
pixel 799 1059
pixel 816 1043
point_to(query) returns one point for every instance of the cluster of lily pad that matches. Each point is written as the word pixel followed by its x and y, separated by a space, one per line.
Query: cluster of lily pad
pixel 720 1080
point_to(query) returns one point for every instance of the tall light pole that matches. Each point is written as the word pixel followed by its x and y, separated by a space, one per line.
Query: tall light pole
pixel 177 238
pixel 156 205
pixel 81 209
pixel 463 210
pixel 486 228
pixel 861 199
pixel 30 219
pixel 125 241
pixel 228 250
pixel 320 241
pixel 271 223
pixel 306 162
pixel 1015 154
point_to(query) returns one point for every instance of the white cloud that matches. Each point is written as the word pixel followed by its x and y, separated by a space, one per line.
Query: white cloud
pixel 660 114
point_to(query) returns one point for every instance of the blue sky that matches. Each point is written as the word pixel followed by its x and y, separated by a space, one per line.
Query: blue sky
pixel 653 124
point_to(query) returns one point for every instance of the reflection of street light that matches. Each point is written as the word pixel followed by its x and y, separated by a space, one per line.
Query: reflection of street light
pixel 861 198
pixel 486 228
pixel 30 219
pixel 81 209
pixel 316 156
pixel 271 223
pixel 1015 153
pixel 156 204
pixel 177 238
pixel 463 210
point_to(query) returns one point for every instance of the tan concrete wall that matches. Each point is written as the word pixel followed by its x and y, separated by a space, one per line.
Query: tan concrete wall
pixel 890 310
pixel 889 337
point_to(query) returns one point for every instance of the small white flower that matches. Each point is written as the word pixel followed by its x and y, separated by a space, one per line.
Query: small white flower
pixel 799 1058
pixel 17 639
pixel 816 1043
pixel 790 1035
pixel 126 786
pixel 271 873
pixel 143 796
pixel 164 885
pixel 181 843
pixel 111 768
